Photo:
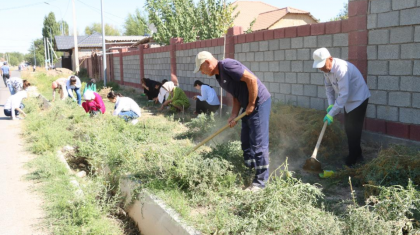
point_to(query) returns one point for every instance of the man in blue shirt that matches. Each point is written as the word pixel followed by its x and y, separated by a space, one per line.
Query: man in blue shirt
pixel 5 73
pixel 250 94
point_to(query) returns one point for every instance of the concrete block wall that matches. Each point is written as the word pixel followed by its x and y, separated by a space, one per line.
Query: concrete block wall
pixel 284 65
pixel 157 66
pixel 116 69
pixel 185 66
pixel 394 67
pixel 131 68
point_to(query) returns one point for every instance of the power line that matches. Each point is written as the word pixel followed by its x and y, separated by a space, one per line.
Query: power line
pixel 24 6
pixel 98 10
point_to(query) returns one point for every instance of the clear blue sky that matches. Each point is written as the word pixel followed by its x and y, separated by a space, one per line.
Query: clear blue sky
pixel 22 20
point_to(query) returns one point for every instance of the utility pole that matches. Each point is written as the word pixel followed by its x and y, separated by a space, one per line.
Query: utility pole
pixel 51 55
pixel 103 42
pixel 76 52
pixel 34 54
pixel 45 55
pixel 48 53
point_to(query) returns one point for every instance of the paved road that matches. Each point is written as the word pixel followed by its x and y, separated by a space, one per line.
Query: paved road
pixel 20 206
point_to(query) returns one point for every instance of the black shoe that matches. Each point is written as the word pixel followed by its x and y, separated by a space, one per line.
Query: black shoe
pixel 350 161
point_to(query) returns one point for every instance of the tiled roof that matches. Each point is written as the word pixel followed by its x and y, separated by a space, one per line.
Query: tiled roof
pixel 95 40
pixel 67 42
pixel 248 11
pixel 124 38
pixel 267 19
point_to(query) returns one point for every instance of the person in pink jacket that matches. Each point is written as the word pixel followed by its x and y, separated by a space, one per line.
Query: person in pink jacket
pixel 93 103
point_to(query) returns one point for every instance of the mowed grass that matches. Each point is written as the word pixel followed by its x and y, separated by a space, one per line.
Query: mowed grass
pixel 205 187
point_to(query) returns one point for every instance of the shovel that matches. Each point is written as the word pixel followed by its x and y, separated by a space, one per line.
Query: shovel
pixel 312 164
pixel 216 133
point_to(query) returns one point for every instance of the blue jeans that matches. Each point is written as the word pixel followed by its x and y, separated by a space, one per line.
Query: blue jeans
pixel 79 97
pixel 128 115
pixel 255 139
pixel 8 112
pixel 12 89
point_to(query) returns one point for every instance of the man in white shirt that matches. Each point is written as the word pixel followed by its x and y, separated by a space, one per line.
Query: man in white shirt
pixel 345 80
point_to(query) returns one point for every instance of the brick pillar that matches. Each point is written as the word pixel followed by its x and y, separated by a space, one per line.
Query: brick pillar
pixel 121 67
pixel 141 57
pixel 358 34
pixel 230 42
pixel 174 41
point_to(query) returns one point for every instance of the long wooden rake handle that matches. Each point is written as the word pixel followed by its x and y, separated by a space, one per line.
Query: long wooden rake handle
pixel 216 133
pixel 319 140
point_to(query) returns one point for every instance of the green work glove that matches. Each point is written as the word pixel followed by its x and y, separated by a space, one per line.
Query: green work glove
pixel 328 118
pixel 329 108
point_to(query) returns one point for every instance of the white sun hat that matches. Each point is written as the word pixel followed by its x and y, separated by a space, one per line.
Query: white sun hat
pixel 320 56
pixel 200 58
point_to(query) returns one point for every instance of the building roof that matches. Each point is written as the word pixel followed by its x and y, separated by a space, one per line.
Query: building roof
pixel 248 11
pixel 64 43
pixel 124 38
pixel 267 19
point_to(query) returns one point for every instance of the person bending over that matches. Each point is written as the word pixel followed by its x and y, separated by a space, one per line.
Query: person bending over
pixel 14 106
pixel 93 103
pixel 16 84
pixel 177 99
pixel 125 107
pixel 74 84
pixel 206 102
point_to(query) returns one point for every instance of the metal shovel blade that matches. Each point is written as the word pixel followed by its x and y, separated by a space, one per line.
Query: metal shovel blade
pixel 313 165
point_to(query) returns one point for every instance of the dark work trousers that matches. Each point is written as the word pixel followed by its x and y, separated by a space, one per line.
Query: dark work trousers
pixel 254 138
pixel 5 77
pixel 354 125
pixel 204 107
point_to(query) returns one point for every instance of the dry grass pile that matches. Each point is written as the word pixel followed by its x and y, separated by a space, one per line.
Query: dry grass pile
pixel 295 130
pixel 393 166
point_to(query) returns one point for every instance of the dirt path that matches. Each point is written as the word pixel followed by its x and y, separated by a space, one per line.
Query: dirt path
pixel 20 212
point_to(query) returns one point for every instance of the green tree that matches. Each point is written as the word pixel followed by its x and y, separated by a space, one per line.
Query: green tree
pixel 66 28
pixel 39 53
pixel 97 28
pixel 136 24
pixel 183 18
pixel 343 15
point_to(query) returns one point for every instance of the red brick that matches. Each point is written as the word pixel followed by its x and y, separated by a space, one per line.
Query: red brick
pixel 290 32
pixel 304 30
pixel 362 7
pixel 279 33
pixel 208 43
pixel 268 34
pixel 242 38
pixel 318 29
pixel 259 36
pixel 352 8
pixel 362 66
pixel 352 53
pixel 250 37
pixel 235 39
pixel 197 44
pixel 360 22
pixel 358 38
pixel 415 132
pixel 213 42
pixel 399 130
pixel 333 27
pixel 221 41
pixel 345 26
pixel 375 125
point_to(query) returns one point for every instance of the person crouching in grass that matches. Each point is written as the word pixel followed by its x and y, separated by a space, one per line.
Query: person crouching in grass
pixel 14 106
pixel 94 104
pixel 206 102
pixel 125 107
pixel 177 99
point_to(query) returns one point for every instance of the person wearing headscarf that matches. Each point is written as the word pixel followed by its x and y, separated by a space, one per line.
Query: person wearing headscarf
pixel 163 94
pixel 177 99
pixel 93 103
pixel 16 84
pixel 125 107
pixel 60 85
pixel 14 106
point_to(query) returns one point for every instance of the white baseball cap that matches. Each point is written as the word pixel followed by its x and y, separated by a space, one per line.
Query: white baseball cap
pixel 320 56
pixel 200 58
